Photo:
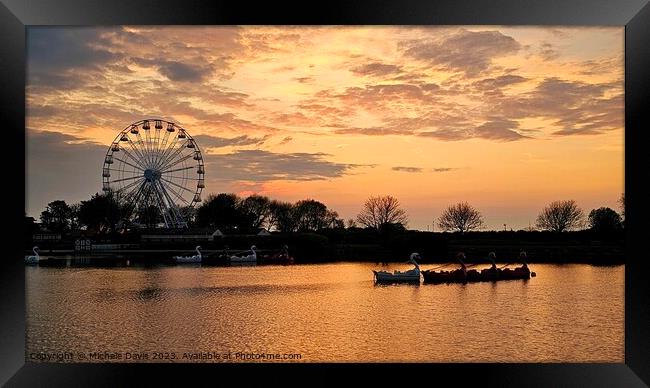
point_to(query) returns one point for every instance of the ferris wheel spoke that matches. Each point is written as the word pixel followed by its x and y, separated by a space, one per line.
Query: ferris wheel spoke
pixel 182 177
pixel 177 185
pixel 178 169
pixel 136 149
pixel 169 149
pixel 156 139
pixel 161 203
pixel 172 155
pixel 146 136
pixel 152 144
pixel 132 165
pixel 134 195
pixel 144 147
pixel 126 188
pixel 163 146
pixel 136 160
pixel 173 207
pixel 176 194
pixel 126 179
pixel 158 159
pixel 149 142
pixel 177 161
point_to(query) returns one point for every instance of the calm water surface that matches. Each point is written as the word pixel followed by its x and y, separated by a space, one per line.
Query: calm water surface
pixel 328 312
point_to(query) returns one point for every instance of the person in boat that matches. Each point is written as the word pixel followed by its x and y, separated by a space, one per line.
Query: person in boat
pixel 462 271
pixel 492 257
pixel 524 267
pixel 493 271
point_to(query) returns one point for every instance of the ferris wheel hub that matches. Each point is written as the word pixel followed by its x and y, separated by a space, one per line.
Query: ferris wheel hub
pixel 151 174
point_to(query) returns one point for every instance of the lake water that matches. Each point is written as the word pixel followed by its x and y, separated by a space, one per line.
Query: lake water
pixel 324 313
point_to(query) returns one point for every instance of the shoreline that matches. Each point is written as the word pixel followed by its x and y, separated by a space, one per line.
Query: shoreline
pixel 365 246
pixel 164 257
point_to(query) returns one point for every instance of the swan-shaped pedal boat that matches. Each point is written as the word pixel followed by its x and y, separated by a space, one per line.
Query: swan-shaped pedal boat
pixel 31 260
pixel 190 259
pixel 252 257
pixel 412 275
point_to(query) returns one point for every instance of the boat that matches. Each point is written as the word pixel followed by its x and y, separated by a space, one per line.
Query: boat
pixel 281 257
pixel 409 276
pixel 462 275
pixel 190 259
pixel 32 260
pixel 250 258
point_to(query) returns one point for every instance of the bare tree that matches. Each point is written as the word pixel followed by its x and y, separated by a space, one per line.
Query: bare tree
pixel 559 216
pixel 461 217
pixel 379 211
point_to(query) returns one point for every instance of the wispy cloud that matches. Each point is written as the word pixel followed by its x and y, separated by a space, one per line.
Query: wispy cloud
pixel 464 51
pixel 207 141
pixel 259 165
pixel 407 169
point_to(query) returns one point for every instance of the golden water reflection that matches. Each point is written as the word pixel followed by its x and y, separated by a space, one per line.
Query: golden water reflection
pixel 329 312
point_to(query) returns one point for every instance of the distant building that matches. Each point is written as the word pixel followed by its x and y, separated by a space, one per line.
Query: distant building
pixel 180 236
pixel 83 245
pixel 263 232
pixel 46 237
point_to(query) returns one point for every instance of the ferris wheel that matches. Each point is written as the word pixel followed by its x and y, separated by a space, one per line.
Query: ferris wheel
pixel 155 166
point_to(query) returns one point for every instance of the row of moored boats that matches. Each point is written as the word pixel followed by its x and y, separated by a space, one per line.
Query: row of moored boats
pixel 460 275
pixel 251 256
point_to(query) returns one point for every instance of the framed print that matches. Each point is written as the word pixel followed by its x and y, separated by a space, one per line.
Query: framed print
pixel 396 192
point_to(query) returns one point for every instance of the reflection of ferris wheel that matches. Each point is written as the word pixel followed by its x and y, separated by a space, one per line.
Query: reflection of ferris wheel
pixel 155 165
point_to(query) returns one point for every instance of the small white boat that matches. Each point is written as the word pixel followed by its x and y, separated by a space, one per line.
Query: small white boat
pixel 190 259
pixel 33 259
pixel 412 275
pixel 252 257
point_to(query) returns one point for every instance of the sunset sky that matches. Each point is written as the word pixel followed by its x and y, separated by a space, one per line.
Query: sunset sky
pixel 506 118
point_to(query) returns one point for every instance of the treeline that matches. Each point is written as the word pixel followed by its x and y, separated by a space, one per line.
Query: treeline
pixel 558 216
pixel 229 212
pixel 108 213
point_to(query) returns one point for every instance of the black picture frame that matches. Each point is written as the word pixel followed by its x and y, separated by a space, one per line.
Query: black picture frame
pixel 15 15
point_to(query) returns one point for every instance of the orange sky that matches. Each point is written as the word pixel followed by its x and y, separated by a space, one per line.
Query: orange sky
pixel 506 118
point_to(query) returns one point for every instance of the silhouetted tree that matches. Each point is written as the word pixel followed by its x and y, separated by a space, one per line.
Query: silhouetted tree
pixel 221 211
pixel 351 223
pixel 189 214
pixel 312 215
pixel 149 215
pixel 378 211
pixel 389 229
pixel 461 217
pixel 74 216
pixel 333 221
pixel 604 219
pixel 103 212
pixel 254 212
pixel 559 216
pixel 57 216
pixel 29 228
pixel 281 216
